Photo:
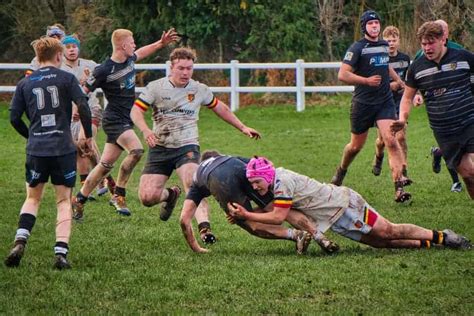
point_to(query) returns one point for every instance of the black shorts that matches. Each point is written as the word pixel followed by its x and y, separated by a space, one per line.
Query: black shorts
pixel 364 116
pixel 455 146
pixel 114 127
pixel 162 160
pixel 62 170
pixel 227 183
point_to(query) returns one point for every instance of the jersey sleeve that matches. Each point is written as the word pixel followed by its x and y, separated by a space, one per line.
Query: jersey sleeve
pixel 97 78
pixel 410 78
pixel 283 193
pixel 352 55
pixel 146 99
pixel 209 100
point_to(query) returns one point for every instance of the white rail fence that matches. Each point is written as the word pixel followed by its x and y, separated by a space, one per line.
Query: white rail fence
pixel 300 89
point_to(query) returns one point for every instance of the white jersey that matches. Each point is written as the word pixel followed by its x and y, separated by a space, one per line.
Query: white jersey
pixel 324 203
pixel 176 110
pixel 84 65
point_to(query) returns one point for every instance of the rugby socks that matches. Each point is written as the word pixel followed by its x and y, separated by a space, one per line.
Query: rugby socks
pixel 120 191
pixel 171 196
pixel 290 235
pixel 425 244
pixel 404 171
pixel 83 178
pixel 81 198
pixel 61 249
pixel 438 237
pixel 25 226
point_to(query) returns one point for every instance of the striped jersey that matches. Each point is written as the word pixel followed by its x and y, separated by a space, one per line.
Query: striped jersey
pixel 400 64
pixel 175 110
pixel 447 89
pixel 324 203
pixel 117 80
pixel 368 59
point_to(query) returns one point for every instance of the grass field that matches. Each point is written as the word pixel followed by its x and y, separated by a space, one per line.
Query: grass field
pixel 140 265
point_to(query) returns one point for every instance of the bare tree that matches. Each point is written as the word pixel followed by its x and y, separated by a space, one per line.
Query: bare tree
pixel 331 17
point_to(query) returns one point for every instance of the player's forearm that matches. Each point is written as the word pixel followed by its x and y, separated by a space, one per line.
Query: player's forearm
pixel 139 119
pixel 145 51
pixel 406 103
pixel 85 116
pixel 351 78
pixel 266 218
pixel 18 124
pixel 226 114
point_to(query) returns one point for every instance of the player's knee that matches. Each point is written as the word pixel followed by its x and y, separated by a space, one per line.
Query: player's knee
pixel 106 165
pixel 136 154
pixel 147 198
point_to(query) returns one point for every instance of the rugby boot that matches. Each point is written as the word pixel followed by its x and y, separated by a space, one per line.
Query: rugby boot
pixel 16 253
pixel 61 263
pixel 120 205
pixel 101 188
pixel 77 209
pixel 167 206
pixel 456 187
pixel 401 196
pixel 436 163
pixel 456 241
pixel 377 166
pixel 302 239
pixel 339 176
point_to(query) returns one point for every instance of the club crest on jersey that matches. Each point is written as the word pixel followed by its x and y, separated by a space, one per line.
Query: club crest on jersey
pixel 348 56
pixel 190 97
pixel 453 66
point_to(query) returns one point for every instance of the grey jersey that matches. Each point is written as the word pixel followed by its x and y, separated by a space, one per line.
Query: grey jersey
pixel 176 110
pixel 324 203
pixel 79 72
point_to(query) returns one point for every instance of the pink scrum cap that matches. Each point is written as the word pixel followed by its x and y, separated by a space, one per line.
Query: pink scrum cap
pixel 260 167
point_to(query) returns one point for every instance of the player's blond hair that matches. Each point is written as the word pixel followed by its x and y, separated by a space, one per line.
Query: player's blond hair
pixel 46 48
pixel 391 31
pixel 183 53
pixel 119 35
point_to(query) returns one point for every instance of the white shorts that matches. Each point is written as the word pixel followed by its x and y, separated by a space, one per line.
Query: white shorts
pixel 358 218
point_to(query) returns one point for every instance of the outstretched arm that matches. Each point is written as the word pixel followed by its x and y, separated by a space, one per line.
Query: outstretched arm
pixel 405 108
pixel 223 111
pixel 167 37
pixel 187 214
pixel 276 216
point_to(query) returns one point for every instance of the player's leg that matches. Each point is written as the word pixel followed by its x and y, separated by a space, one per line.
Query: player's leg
pixel 26 222
pixel 131 143
pixel 109 156
pixel 395 160
pixel 402 142
pixel 63 226
pixel 379 154
pixel 350 152
pixel 466 170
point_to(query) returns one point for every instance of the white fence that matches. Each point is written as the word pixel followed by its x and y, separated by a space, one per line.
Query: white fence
pixel 235 89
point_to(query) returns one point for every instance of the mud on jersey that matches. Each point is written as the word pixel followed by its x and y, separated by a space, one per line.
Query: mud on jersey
pixel 324 203
pixel 175 110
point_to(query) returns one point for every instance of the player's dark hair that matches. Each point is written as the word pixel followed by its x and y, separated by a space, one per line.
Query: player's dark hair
pixel 183 53
pixel 209 154
pixel 430 30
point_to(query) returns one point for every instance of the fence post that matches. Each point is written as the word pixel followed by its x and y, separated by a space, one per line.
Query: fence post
pixel 300 95
pixel 234 84
pixel 168 67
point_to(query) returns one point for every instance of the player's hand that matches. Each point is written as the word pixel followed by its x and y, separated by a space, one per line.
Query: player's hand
pixel 250 132
pixel 201 250
pixel 417 100
pixel 230 219
pixel 397 126
pixel 374 81
pixel 84 147
pixel 85 76
pixel 236 210
pixel 149 137
pixel 169 37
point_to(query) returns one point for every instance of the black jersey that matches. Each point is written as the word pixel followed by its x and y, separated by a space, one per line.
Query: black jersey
pixel 446 88
pixel 46 97
pixel 368 59
pixel 400 64
pixel 117 80
pixel 230 173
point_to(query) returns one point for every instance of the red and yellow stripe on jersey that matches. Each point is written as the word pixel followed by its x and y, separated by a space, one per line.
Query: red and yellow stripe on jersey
pixel 142 105
pixel 370 216
pixel 213 103
pixel 28 72
pixel 283 202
